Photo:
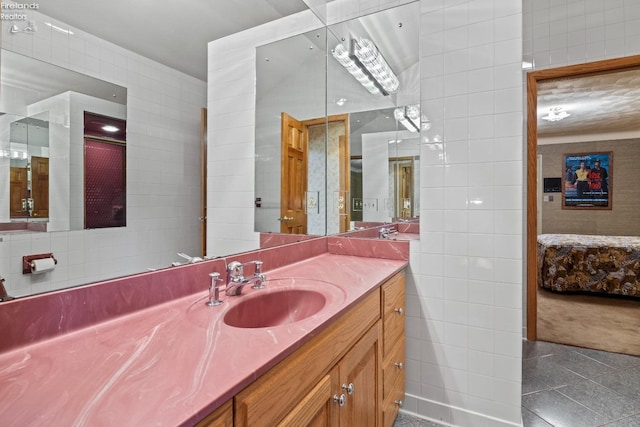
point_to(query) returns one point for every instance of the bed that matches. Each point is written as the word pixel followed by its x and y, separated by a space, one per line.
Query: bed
pixel 597 264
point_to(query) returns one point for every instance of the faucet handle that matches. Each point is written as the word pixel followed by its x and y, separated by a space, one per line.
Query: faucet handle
pixel 259 284
pixel 258 266
pixel 236 268
pixel 214 290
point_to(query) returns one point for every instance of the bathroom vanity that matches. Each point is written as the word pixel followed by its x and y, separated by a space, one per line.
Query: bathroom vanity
pixel 173 360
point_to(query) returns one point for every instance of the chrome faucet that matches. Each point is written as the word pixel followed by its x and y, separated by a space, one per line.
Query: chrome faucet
pixel 384 232
pixel 4 296
pixel 236 279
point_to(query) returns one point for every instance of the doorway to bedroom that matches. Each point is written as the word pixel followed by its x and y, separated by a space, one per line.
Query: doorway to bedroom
pixel 583 119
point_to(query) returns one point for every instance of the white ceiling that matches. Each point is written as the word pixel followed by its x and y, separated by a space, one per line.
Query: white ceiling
pixel 170 32
pixel 597 104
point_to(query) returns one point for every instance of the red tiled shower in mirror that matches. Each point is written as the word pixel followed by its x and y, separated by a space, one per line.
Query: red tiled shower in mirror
pixel 104 171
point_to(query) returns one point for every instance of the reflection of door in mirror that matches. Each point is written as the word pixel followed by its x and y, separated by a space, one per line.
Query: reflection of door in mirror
pixel 18 192
pixel 355 188
pixel 29 172
pixel 344 183
pixel 402 178
pixel 331 168
pixel 105 171
pixel 40 186
pixel 293 216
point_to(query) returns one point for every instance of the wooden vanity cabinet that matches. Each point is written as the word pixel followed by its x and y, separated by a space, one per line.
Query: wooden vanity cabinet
pixel 355 380
pixel 272 397
pixel 393 359
pixel 343 363
pixel 221 417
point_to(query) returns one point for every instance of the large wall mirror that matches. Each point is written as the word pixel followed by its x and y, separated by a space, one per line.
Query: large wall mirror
pixel 43 143
pixel 337 142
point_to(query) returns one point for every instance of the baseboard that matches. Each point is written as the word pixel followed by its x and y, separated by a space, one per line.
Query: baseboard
pixel 448 415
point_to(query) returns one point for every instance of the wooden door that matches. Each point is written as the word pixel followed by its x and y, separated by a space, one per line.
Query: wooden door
pixel 203 182
pixel 360 379
pixel 345 182
pixel 294 136
pixel 17 191
pixel 406 189
pixel 40 186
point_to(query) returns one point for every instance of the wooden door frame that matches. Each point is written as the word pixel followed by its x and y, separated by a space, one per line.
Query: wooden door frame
pixel 203 182
pixel 396 199
pixel 533 77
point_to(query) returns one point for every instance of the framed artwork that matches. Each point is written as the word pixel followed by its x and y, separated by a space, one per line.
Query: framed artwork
pixel 587 181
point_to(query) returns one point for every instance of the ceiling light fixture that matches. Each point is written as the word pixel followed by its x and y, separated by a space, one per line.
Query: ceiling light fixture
pixel 109 128
pixel 340 102
pixel 409 116
pixel 365 62
pixel 556 114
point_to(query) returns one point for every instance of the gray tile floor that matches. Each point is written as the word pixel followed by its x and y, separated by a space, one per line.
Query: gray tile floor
pixel 578 387
pixel 564 386
pixel 404 420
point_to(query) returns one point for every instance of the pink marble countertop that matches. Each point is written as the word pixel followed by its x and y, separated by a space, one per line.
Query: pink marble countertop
pixel 173 363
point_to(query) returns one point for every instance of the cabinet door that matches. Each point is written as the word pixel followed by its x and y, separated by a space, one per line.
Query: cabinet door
pixel 317 408
pixel 360 381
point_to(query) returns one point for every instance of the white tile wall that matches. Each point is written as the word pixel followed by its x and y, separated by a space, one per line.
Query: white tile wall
pixel 470 341
pixel 163 172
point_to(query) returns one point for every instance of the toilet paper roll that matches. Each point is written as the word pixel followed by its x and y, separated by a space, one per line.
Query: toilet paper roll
pixel 42 265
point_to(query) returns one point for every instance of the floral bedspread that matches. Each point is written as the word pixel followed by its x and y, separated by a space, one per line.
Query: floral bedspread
pixel 602 264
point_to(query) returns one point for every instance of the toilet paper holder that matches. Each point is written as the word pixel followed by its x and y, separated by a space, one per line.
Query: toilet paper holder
pixel 27 261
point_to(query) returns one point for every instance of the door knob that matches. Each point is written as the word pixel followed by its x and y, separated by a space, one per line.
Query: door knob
pixel 285 218
pixel 340 400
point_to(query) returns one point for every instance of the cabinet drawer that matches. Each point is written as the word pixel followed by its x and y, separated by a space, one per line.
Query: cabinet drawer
pixel 392 403
pixel 394 367
pixel 393 311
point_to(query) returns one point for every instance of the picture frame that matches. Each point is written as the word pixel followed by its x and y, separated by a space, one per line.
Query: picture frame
pixel 587 180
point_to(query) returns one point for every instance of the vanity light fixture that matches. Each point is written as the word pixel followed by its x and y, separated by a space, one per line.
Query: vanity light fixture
pixel 409 116
pixel 365 62
pixel 109 128
pixel 556 114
